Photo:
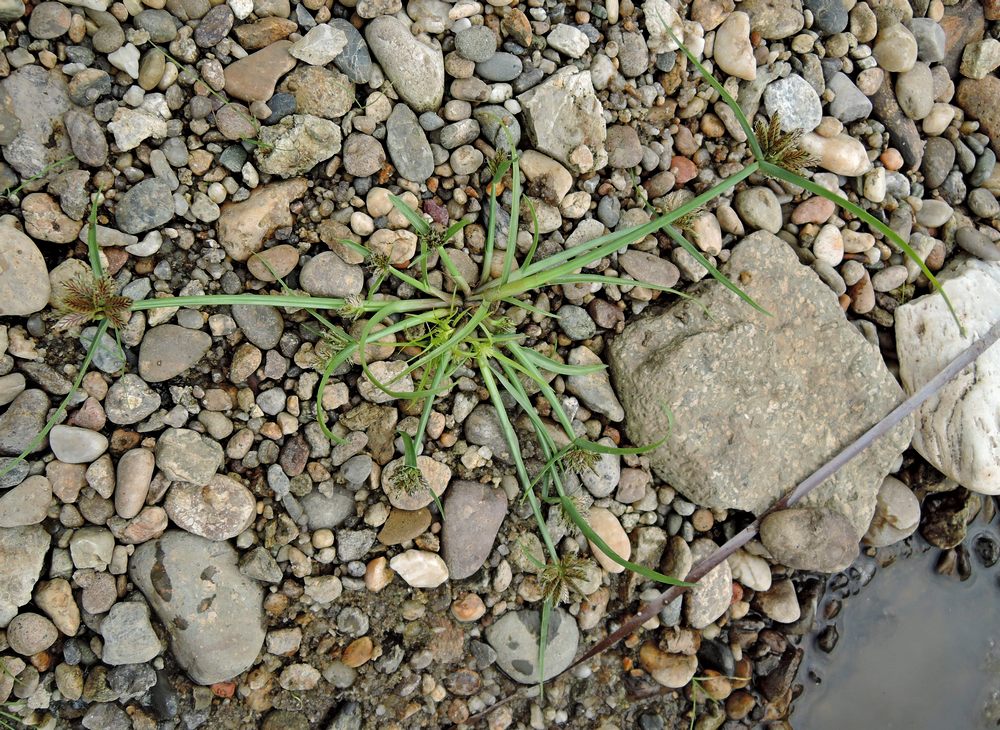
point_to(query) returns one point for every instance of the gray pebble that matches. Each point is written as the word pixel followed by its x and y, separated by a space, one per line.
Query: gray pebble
pixel 575 323
pixel 930 39
pixel 500 67
pixel 973 242
pixel 354 544
pixel 158 23
pixel 983 169
pixel 477 43
pixel 263 326
pixel 408 145
pixel 147 205
pixel 983 203
pixel 939 156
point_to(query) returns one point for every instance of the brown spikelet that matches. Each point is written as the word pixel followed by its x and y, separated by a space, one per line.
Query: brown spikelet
pixel 494 163
pixel 89 299
pixel 559 580
pixel 580 460
pixel 782 148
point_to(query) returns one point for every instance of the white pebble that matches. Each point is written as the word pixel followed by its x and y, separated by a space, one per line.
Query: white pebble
pixel 829 245
pixel 420 568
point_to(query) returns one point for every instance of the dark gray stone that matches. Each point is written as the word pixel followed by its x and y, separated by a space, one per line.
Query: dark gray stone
pixel 500 67
pixel 261 325
pixel 145 206
pixel 354 61
pixel 408 146
pixel 829 16
pixel 939 156
pixel 214 26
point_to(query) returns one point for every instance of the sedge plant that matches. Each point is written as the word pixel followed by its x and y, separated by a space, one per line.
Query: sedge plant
pixel 469 320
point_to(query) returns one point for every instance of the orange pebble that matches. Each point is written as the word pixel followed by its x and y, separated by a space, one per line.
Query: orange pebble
pixel 891 159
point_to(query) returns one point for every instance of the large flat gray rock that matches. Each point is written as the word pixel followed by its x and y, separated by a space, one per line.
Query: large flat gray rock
pixel 759 402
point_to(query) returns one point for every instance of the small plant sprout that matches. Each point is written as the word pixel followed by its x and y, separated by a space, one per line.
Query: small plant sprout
pixel 468 315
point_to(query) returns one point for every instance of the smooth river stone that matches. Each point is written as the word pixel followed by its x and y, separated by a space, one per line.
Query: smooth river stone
pixel 957 428
pixel 212 612
pixel 168 350
pixel 219 510
pixel 415 70
pixel 253 78
pixel 474 513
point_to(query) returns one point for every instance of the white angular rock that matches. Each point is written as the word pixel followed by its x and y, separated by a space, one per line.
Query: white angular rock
pixel 842 154
pixel 126 58
pixel 958 428
pixel 897 514
pixel 565 120
pixel 297 144
pixel 733 51
pixel 420 569
pixel 320 45
pixel 569 40
pixel 658 17
pixel 131 127
pixel 750 570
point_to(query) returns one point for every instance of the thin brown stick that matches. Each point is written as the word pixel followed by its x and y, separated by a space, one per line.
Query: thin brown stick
pixel 886 424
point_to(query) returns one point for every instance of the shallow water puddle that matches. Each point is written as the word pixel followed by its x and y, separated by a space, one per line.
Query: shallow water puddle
pixel 917 650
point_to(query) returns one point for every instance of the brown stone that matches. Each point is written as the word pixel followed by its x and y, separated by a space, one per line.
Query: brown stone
pixel 469 607
pixel 358 652
pixel 281 260
pixel 253 78
pixel 978 98
pixel 244 226
pixel 44 220
pixel 254 36
pixel 404 525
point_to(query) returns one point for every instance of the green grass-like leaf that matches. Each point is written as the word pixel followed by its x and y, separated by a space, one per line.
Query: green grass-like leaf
pixel 816 189
pixel 416 220
pixel 102 328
